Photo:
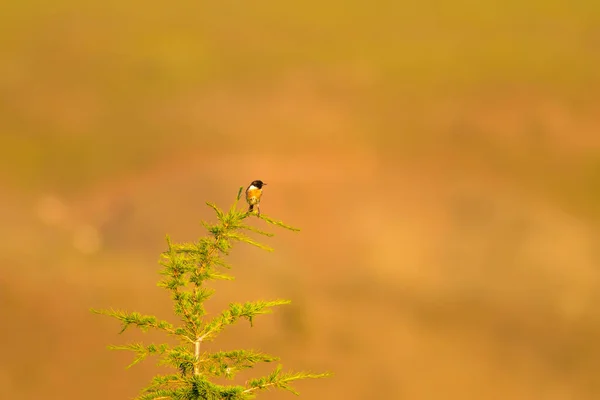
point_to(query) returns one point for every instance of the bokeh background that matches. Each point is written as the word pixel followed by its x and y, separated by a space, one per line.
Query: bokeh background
pixel 441 157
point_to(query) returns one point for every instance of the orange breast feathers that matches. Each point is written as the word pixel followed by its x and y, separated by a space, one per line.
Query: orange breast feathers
pixel 253 195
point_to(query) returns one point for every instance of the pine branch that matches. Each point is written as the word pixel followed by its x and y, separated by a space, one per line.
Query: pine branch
pixel 229 363
pixel 144 322
pixel 195 387
pixel 141 350
pixel 259 231
pixel 278 223
pixel 236 311
pixel 280 380
pixel 240 237
pixel 163 385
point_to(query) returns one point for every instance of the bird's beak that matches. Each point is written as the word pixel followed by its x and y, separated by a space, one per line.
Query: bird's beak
pixel 264 183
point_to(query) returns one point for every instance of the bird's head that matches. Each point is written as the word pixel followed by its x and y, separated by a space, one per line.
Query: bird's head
pixel 259 184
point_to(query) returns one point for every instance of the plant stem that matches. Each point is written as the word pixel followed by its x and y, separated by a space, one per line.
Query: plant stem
pixel 197 353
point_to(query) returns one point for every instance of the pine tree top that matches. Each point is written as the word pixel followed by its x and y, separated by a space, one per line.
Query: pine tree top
pixel 186 268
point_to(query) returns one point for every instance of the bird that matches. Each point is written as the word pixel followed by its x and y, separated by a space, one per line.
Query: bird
pixel 253 195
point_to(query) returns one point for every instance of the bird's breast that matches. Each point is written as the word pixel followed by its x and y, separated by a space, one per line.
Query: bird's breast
pixel 253 195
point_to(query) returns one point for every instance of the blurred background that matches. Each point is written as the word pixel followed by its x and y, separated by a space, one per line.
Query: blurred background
pixel 441 157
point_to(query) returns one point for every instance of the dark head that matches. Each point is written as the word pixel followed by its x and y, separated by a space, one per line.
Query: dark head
pixel 258 184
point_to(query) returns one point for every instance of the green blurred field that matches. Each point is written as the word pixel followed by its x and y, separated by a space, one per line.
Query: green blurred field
pixel 442 159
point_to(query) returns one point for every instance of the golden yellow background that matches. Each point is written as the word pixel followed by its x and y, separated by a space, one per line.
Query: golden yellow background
pixel 441 157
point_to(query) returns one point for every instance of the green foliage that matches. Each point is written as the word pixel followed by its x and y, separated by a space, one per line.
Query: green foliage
pixel 186 269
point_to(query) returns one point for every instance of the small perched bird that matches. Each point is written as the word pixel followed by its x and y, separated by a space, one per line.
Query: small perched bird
pixel 253 194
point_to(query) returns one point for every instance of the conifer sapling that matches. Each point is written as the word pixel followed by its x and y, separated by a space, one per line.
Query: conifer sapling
pixel 186 269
